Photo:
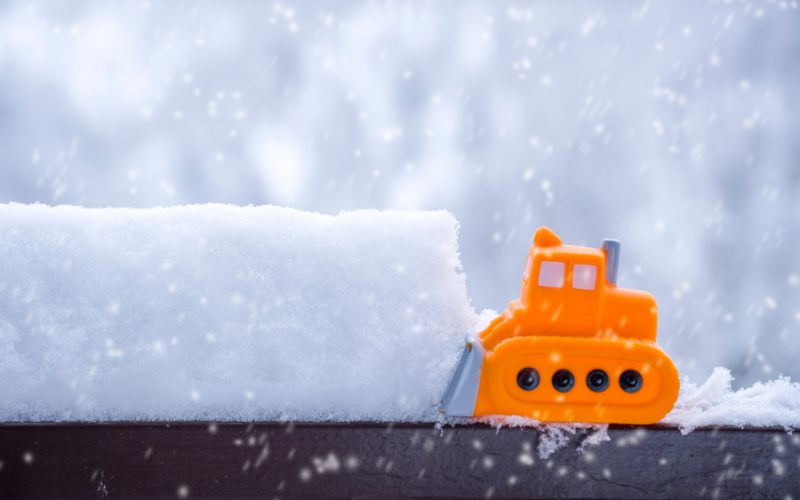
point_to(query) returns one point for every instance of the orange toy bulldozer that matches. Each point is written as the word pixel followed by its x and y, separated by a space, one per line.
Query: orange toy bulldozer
pixel 572 348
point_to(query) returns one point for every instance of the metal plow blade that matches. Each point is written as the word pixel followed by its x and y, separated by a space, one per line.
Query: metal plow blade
pixel 459 400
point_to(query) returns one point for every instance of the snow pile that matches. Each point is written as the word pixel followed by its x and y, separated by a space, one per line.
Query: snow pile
pixel 218 312
pixel 776 403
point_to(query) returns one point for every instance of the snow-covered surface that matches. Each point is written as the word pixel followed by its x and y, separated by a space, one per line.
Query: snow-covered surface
pixel 552 435
pixel 670 125
pixel 771 404
pixel 223 312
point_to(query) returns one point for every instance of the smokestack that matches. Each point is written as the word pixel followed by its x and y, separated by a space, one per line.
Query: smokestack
pixel 611 247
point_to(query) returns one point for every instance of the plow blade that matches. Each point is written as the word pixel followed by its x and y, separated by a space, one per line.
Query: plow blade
pixel 462 393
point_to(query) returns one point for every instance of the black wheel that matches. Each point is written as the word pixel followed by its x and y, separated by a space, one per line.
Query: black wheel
pixel 563 380
pixel 528 379
pixel 597 380
pixel 630 381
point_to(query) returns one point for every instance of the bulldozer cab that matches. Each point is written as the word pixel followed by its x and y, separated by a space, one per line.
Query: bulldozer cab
pixel 563 282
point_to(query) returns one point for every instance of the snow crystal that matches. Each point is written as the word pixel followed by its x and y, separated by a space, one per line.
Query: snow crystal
pixel 217 312
pixel 552 435
pixel 775 403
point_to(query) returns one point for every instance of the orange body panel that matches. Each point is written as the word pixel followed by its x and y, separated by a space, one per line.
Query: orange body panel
pixel 569 317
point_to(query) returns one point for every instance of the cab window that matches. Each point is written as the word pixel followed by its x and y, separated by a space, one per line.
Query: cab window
pixel 584 277
pixel 551 274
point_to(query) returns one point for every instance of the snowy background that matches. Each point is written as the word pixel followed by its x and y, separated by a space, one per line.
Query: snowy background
pixel 671 126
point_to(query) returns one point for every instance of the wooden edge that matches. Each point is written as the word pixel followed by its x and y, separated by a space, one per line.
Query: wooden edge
pixel 390 460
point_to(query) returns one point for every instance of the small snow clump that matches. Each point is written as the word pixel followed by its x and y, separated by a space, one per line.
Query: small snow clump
pixel 775 403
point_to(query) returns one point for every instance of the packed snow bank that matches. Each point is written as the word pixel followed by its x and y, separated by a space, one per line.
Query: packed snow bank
pixel 776 403
pixel 219 312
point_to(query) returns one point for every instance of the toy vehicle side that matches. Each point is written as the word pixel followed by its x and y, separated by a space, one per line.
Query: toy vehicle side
pixel 500 394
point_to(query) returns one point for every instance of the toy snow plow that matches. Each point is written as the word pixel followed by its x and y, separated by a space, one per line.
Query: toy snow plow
pixel 572 348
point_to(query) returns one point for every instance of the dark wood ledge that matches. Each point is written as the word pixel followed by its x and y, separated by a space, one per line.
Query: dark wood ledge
pixel 402 460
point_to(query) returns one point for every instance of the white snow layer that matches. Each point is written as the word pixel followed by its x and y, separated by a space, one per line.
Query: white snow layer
pixel 776 403
pixel 218 312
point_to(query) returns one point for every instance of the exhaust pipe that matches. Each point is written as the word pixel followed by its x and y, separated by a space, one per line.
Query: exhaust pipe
pixel 611 248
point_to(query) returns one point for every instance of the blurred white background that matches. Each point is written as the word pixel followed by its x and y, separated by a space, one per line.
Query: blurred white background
pixel 672 126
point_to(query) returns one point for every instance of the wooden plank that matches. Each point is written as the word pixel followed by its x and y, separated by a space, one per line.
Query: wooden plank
pixel 271 460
